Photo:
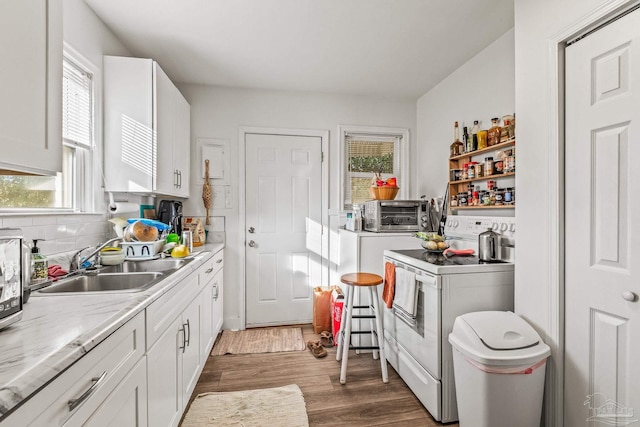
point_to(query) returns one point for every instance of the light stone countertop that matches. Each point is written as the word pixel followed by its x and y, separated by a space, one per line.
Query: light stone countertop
pixel 56 330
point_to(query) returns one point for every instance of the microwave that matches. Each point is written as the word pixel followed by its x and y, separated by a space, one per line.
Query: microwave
pixel 395 215
pixel 11 280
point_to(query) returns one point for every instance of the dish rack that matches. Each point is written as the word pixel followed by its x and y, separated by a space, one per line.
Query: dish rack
pixel 141 250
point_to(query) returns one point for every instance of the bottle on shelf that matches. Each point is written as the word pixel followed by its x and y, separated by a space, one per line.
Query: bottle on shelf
pixel 465 138
pixel 474 136
pixel 482 139
pixel 493 134
pixel 508 131
pixel 457 147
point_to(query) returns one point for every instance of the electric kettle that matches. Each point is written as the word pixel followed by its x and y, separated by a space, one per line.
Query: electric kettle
pixel 489 246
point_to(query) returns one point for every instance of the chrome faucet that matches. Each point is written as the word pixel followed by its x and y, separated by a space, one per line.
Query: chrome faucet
pixel 95 252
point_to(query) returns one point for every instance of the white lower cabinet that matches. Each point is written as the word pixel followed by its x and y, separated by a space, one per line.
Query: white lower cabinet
pixel 75 395
pixel 117 384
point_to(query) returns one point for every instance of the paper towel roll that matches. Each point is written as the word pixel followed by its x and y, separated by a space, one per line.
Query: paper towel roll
pixel 120 207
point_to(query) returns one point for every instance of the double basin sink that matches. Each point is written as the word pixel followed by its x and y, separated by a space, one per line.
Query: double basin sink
pixel 130 276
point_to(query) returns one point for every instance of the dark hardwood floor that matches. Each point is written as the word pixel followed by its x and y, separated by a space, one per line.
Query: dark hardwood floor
pixel 363 401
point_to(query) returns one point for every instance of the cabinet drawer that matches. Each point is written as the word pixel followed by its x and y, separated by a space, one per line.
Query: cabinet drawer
pixel 209 268
pixel 88 381
pixel 162 312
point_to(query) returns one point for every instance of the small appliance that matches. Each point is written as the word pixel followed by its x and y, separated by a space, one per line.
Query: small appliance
pixel 11 280
pixel 395 215
pixel 170 212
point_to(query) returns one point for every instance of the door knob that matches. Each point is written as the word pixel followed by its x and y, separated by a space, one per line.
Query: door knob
pixel 252 243
pixel 252 230
pixel 630 296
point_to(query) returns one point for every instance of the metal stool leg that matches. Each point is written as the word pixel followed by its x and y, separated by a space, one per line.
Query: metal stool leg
pixel 346 326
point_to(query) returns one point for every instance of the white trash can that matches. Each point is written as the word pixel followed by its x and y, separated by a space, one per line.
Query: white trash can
pixel 499 368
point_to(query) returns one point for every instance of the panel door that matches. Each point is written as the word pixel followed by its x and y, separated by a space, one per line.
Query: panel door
pixel 164 377
pixel 283 219
pixel 164 117
pixel 191 358
pixel 602 222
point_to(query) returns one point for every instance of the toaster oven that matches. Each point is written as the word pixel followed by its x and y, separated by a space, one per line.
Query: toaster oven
pixel 395 215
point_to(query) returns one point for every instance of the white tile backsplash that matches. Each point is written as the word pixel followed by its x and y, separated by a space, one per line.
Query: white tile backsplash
pixel 62 232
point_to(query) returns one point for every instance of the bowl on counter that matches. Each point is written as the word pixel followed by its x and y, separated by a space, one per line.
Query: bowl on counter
pixel 384 193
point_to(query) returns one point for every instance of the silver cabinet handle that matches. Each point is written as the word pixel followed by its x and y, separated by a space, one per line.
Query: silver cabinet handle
pixel 215 297
pixel 208 270
pixel 252 243
pixel 630 296
pixel 252 230
pixel 73 403
pixel 218 261
pixel 184 339
pixel 188 328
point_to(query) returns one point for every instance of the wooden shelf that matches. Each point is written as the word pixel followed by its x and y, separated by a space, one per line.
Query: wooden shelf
pixel 484 150
pixel 482 178
pixel 453 208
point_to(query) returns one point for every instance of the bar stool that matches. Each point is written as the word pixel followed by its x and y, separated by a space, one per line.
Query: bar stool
pixel 370 281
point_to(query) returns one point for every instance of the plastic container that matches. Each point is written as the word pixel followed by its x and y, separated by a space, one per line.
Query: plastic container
pixel 499 369
pixel 142 250
pixel 39 265
pixel 111 256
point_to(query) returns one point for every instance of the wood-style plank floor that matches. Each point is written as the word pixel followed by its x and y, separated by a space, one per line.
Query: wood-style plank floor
pixel 363 401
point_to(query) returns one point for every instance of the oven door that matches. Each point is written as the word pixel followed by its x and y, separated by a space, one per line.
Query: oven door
pixel 422 340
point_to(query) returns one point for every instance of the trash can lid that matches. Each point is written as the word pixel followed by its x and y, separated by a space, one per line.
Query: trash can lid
pixel 502 330
pixel 497 338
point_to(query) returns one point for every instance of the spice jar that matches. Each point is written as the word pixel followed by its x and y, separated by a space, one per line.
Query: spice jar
pixel 462 199
pixel 486 199
pixel 498 166
pixel 499 196
pixel 478 168
pixel 454 200
pixel 471 170
pixel 465 171
pixel 508 196
pixel 488 166
pixel 493 134
pixel 491 184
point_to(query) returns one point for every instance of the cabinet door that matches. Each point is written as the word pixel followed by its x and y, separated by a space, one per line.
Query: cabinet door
pixel 129 137
pixel 167 175
pixel 164 377
pixel 31 89
pixel 191 321
pixel 217 304
pixel 125 406
pixel 182 143
pixel 206 328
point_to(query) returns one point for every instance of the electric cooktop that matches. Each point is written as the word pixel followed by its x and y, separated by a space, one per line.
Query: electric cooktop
pixel 437 263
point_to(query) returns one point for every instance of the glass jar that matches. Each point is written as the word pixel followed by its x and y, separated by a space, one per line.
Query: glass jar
pixel 499 196
pixel 488 166
pixel 478 168
pixel 493 134
pixel 508 196
pixel 486 199
pixel 465 171
pixel 508 131
pixel 454 200
pixel 471 170
pixel 482 139
pixel 462 199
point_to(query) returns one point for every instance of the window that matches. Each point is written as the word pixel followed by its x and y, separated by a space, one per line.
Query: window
pixel 66 190
pixel 367 152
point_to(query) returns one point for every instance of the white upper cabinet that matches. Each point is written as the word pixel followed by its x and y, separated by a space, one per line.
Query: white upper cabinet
pixel 31 86
pixel 145 119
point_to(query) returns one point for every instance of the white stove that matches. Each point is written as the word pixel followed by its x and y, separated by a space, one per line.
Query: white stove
pixel 445 288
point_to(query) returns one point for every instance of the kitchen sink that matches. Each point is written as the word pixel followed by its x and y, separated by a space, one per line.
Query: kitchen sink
pixel 154 265
pixel 105 282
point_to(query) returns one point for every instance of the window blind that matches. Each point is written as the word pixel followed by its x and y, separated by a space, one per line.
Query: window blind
pixel 366 155
pixel 77 111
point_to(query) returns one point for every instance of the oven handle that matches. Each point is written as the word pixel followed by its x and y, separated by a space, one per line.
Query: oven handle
pixel 427 280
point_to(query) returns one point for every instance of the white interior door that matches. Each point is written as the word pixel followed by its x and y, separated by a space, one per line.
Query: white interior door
pixel 602 314
pixel 283 227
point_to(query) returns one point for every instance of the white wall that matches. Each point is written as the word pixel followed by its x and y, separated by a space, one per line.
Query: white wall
pixel 86 34
pixel 539 25
pixel 218 112
pixel 482 88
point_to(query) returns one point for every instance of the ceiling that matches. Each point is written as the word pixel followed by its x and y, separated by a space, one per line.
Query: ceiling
pixel 391 48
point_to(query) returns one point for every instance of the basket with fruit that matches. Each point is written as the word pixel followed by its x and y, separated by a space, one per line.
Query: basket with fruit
pixel 432 242
pixel 383 189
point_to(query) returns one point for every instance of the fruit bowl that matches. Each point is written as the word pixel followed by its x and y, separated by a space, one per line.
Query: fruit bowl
pixel 439 248
pixel 384 193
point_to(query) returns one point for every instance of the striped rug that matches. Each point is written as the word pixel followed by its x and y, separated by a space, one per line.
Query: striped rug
pixel 259 340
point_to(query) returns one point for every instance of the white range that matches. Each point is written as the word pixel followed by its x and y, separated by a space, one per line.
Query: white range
pixel 446 288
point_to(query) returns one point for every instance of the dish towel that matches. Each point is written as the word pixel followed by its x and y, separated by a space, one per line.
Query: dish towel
pixel 389 283
pixel 405 301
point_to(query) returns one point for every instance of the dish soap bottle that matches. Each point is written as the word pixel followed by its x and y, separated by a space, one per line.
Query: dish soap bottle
pixel 39 264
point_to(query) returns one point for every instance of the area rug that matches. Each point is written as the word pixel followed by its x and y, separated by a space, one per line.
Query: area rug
pixel 280 406
pixel 261 340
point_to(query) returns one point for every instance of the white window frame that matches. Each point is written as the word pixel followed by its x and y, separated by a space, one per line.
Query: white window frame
pixel 88 161
pixel 401 156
